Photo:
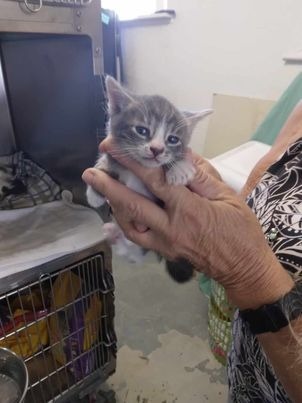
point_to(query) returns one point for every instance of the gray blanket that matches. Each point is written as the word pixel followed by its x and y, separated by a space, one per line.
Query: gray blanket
pixel 24 183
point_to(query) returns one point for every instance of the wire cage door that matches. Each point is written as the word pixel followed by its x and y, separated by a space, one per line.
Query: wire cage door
pixel 62 326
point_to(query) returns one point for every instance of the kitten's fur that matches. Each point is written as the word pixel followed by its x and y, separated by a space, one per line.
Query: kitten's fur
pixel 153 132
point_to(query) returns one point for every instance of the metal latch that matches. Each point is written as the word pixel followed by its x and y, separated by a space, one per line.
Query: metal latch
pixel 35 6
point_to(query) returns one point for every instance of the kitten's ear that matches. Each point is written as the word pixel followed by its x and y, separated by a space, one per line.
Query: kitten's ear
pixel 118 97
pixel 193 118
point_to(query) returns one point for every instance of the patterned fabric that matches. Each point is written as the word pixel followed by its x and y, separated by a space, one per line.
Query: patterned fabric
pixel 277 202
pixel 29 184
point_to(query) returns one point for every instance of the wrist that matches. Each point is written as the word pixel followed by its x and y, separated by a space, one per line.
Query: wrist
pixel 271 318
pixel 272 285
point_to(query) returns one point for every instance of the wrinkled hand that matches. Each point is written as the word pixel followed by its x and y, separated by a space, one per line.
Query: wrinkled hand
pixel 205 223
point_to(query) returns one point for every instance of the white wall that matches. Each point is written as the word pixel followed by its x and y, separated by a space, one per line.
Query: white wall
pixel 231 47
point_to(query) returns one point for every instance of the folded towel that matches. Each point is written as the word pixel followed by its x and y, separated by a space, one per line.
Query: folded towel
pixel 25 184
pixel 35 235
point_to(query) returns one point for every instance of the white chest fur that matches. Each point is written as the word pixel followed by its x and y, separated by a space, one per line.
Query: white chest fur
pixel 134 183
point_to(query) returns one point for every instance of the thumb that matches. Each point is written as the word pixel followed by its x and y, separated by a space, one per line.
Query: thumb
pixel 208 186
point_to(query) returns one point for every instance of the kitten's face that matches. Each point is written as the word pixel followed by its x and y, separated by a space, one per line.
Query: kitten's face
pixel 151 131
pixel 148 129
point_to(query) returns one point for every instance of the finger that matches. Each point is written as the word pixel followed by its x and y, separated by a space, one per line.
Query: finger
pixel 202 163
pixel 127 202
pixel 147 240
pixel 206 185
pixel 153 178
pixel 140 227
pixel 197 159
pixel 105 144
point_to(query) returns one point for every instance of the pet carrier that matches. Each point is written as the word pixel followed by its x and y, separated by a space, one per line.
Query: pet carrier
pixel 56 284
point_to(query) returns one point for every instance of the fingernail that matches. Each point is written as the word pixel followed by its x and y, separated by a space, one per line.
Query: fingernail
pixel 102 147
pixel 141 227
pixel 105 144
pixel 88 176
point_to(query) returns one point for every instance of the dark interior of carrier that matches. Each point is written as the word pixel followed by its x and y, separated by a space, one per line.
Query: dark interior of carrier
pixel 52 109
pixel 51 104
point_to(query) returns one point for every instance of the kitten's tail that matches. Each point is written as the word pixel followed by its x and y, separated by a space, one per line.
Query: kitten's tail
pixel 181 270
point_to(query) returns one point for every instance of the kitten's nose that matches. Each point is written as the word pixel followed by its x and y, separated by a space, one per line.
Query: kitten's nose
pixel 156 150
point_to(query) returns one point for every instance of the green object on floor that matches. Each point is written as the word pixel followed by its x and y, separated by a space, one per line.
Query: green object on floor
pixel 220 317
pixel 205 285
pixel 274 121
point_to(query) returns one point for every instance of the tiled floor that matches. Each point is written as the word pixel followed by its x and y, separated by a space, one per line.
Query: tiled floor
pixel 163 356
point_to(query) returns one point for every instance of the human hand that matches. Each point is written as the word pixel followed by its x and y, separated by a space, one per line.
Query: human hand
pixel 205 223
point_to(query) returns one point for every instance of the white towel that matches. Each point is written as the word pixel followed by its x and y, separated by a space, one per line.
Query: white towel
pixel 32 236
pixel 235 165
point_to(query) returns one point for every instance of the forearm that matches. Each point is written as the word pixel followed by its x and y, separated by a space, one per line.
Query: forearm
pixel 284 351
pixel 283 348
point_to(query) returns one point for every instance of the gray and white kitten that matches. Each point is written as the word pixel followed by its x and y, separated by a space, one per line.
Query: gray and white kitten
pixel 153 132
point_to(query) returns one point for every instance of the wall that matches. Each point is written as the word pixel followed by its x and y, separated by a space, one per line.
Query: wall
pixel 230 47
pixel 233 122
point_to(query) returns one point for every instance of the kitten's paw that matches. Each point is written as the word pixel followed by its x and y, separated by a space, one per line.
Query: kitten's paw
pixel 94 199
pixel 123 247
pixel 112 232
pixel 181 173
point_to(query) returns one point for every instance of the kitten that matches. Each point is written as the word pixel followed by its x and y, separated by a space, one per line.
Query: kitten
pixel 153 132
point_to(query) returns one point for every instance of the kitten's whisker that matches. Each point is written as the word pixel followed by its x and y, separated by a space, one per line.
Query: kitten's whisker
pixel 170 164
pixel 121 153
pixel 129 147
pixel 128 150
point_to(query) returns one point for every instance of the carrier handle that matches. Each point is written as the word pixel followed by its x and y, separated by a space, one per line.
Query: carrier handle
pixel 32 9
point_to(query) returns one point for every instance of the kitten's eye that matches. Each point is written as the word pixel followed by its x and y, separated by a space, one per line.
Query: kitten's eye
pixel 173 140
pixel 142 131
